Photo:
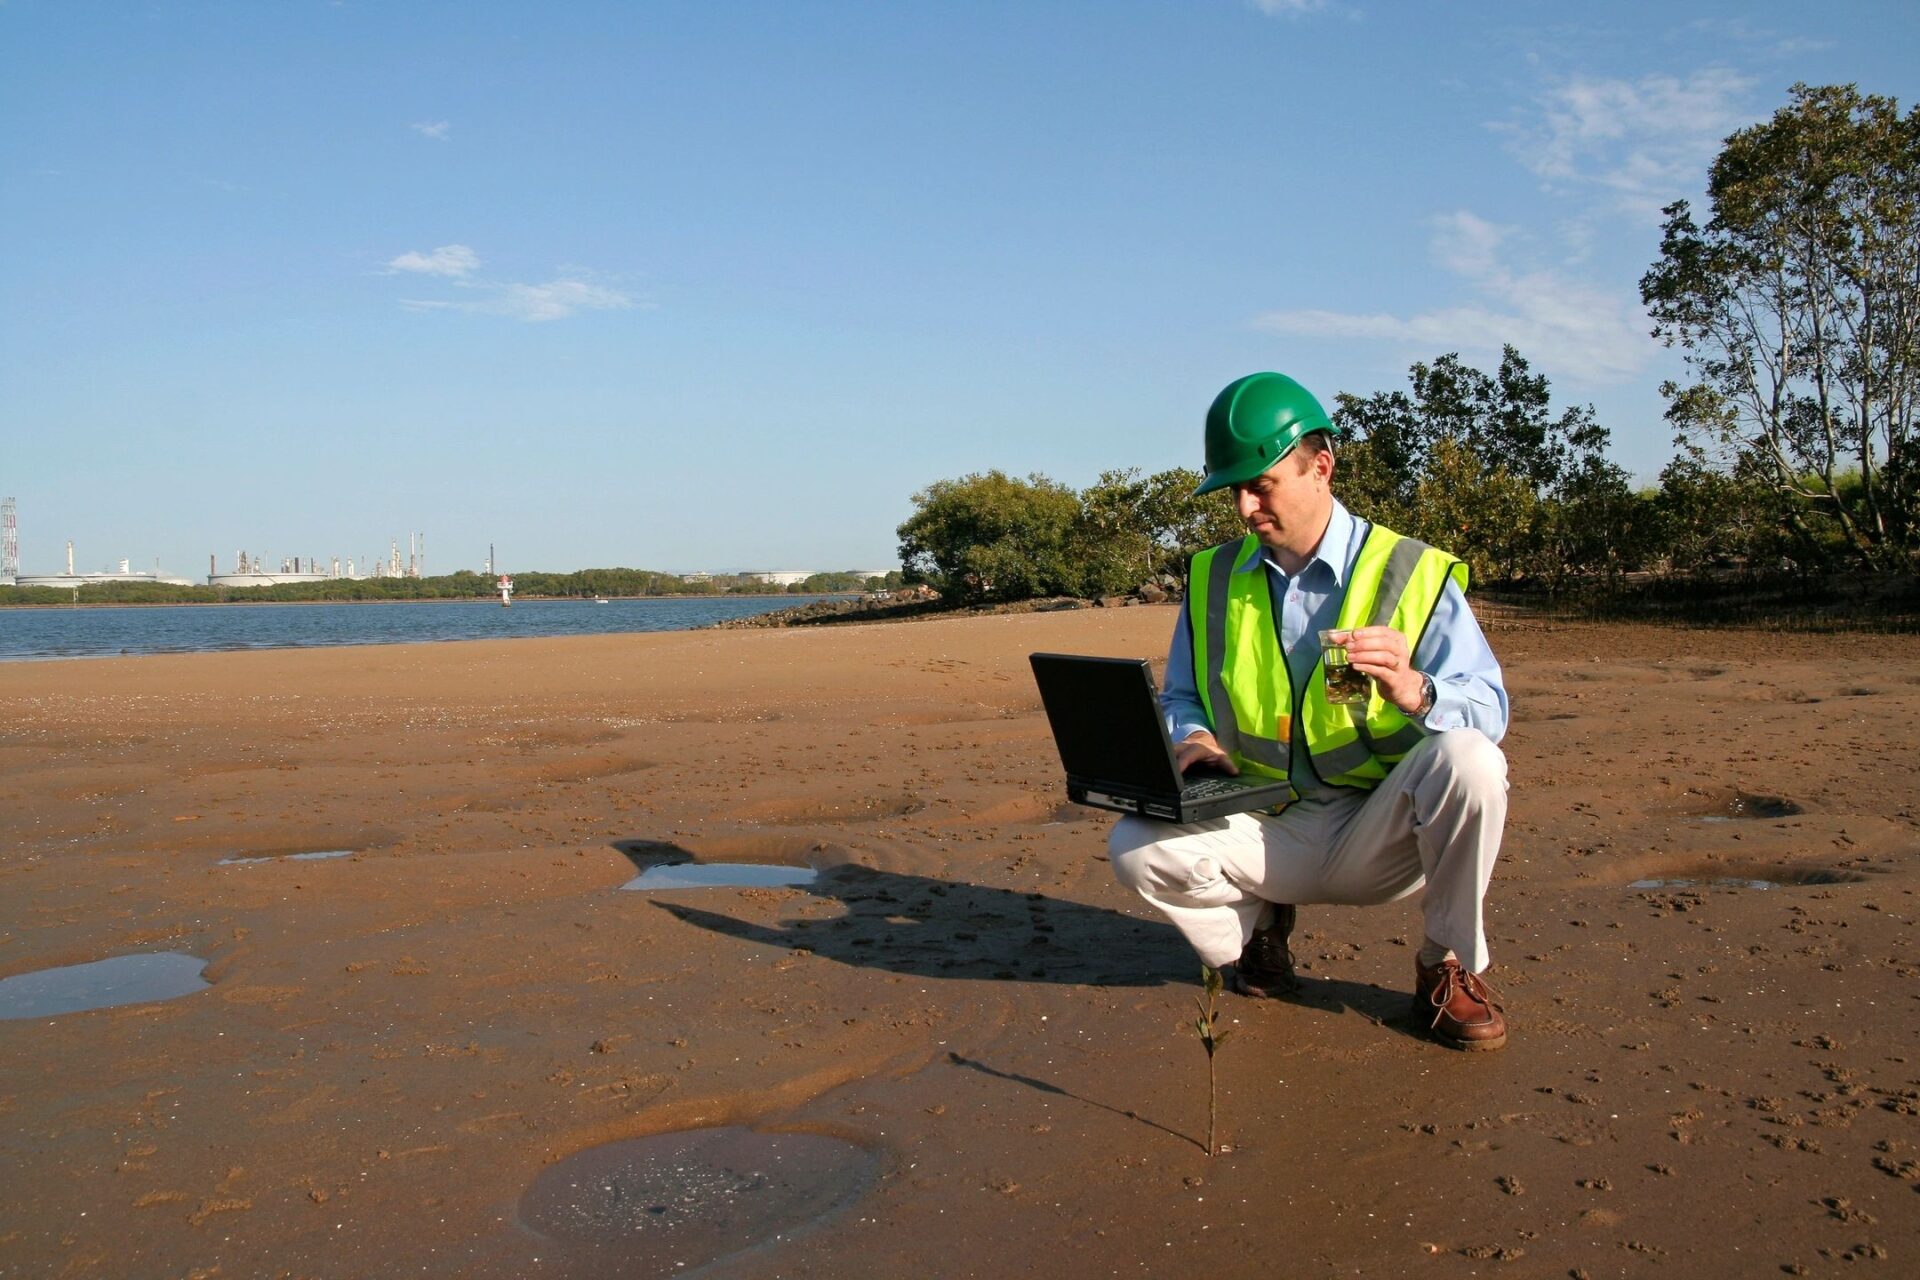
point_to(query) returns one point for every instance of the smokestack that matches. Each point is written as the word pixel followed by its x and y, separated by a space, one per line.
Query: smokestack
pixel 69 557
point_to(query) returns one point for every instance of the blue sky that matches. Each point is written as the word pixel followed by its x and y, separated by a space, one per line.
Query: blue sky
pixel 717 285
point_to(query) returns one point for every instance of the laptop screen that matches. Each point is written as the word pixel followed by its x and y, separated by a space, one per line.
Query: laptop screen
pixel 1106 720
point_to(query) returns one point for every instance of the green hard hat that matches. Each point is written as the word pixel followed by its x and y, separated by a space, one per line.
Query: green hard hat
pixel 1253 423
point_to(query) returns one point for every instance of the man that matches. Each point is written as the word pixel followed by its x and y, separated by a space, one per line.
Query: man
pixel 1406 791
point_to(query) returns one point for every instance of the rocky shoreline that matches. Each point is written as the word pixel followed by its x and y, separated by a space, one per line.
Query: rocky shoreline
pixel 925 603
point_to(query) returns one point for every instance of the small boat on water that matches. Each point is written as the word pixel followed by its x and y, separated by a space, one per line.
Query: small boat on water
pixel 599 599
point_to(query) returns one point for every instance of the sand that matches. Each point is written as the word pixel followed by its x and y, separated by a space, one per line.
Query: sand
pixel 1717 1080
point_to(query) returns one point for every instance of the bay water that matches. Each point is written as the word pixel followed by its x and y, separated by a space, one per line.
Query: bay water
pixel 98 631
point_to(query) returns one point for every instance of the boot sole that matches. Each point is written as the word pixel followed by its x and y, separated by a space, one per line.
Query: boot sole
pixel 1471 1046
pixel 1265 990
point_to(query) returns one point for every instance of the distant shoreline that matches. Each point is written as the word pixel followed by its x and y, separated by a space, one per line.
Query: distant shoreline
pixel 461 600
pixel 129 628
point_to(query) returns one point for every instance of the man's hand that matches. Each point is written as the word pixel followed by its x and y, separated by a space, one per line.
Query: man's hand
pixel 1199 748
pixel 1381 652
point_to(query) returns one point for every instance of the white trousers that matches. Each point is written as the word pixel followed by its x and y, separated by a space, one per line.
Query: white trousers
pixel 1435 821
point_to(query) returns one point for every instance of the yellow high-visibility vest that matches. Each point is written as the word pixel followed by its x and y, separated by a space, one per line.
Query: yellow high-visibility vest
pixel 1242 672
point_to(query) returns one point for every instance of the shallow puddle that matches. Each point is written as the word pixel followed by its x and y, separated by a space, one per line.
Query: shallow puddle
pixel 101 984
pixel 1785 878
pixel 676 1201
pixel 317 855
pixel 721 875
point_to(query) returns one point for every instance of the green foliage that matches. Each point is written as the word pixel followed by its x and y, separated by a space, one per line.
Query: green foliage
pixel 110 593
pixel 1477 463
pixel 1484 514
pixel 1703 514
pixel 1796 307
pixel 1205 1024
pixel 844 581
pixel 1155 523
pixel 990 537
pixel 993 537
pixel 1114 527
pixel 1480 465
pixel 1211 1038
pixel 1597 524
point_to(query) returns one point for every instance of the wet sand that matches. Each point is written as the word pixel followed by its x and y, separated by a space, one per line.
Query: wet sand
pixel 1718 1079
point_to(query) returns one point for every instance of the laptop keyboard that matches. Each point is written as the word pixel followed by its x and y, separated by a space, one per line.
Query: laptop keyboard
pixel 1208 788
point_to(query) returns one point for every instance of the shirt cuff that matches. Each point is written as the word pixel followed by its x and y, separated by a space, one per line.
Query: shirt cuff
pixel 1449 709
pixel 1181 732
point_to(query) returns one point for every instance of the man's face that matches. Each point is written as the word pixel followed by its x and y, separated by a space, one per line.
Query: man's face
pixel 1286 506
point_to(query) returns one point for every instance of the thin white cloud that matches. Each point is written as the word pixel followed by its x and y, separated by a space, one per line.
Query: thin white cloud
pixel 438 130
pixel 534 303
pixel 1467 244
pixel 453 260
pixel 558 299
pixel 1565 326
pixel 1289 8
pixel 571 291
pixel 1764 41
pixel 1643 143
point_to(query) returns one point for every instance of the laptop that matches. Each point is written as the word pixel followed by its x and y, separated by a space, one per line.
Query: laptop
pixel 1113 742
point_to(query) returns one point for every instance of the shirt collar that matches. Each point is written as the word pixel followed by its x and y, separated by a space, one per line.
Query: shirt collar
pixel 1335 550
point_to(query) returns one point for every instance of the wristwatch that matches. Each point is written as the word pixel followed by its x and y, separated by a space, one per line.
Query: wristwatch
pixel 1426 697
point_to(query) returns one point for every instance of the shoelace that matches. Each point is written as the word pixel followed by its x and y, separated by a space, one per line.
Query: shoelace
pixel 1268 949
pixel 1454 977
pixel 1268 955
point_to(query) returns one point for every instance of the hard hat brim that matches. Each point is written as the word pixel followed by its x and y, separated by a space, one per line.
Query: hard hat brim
pixel 1246 469
pixel 1228 476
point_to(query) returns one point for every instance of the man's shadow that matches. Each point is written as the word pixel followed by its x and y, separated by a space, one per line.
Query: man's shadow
pixel 1384 1007
pixel 929 928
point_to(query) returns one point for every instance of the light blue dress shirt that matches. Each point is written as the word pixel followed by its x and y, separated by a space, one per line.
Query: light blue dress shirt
pixel 1468 690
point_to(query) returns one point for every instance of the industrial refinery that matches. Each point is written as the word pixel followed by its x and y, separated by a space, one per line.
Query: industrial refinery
pixel 249 570
pixel 254 571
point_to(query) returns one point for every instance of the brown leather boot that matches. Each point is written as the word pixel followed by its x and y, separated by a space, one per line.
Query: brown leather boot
pixel 1461 1010
pixel 1265 968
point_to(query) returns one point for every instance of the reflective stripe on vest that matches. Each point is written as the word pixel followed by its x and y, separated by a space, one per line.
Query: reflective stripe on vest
pixel 1242 673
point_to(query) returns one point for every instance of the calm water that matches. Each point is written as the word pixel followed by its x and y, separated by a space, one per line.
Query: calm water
pixel 101 984
pixel 721 875
pixel 96 632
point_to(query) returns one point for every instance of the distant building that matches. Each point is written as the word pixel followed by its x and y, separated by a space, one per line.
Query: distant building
pixel 779 577
pixel 122 574
pixel 252 571
pixel 125 573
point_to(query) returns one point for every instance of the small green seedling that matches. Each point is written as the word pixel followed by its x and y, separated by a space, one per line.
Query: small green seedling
pixel 1210 1038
